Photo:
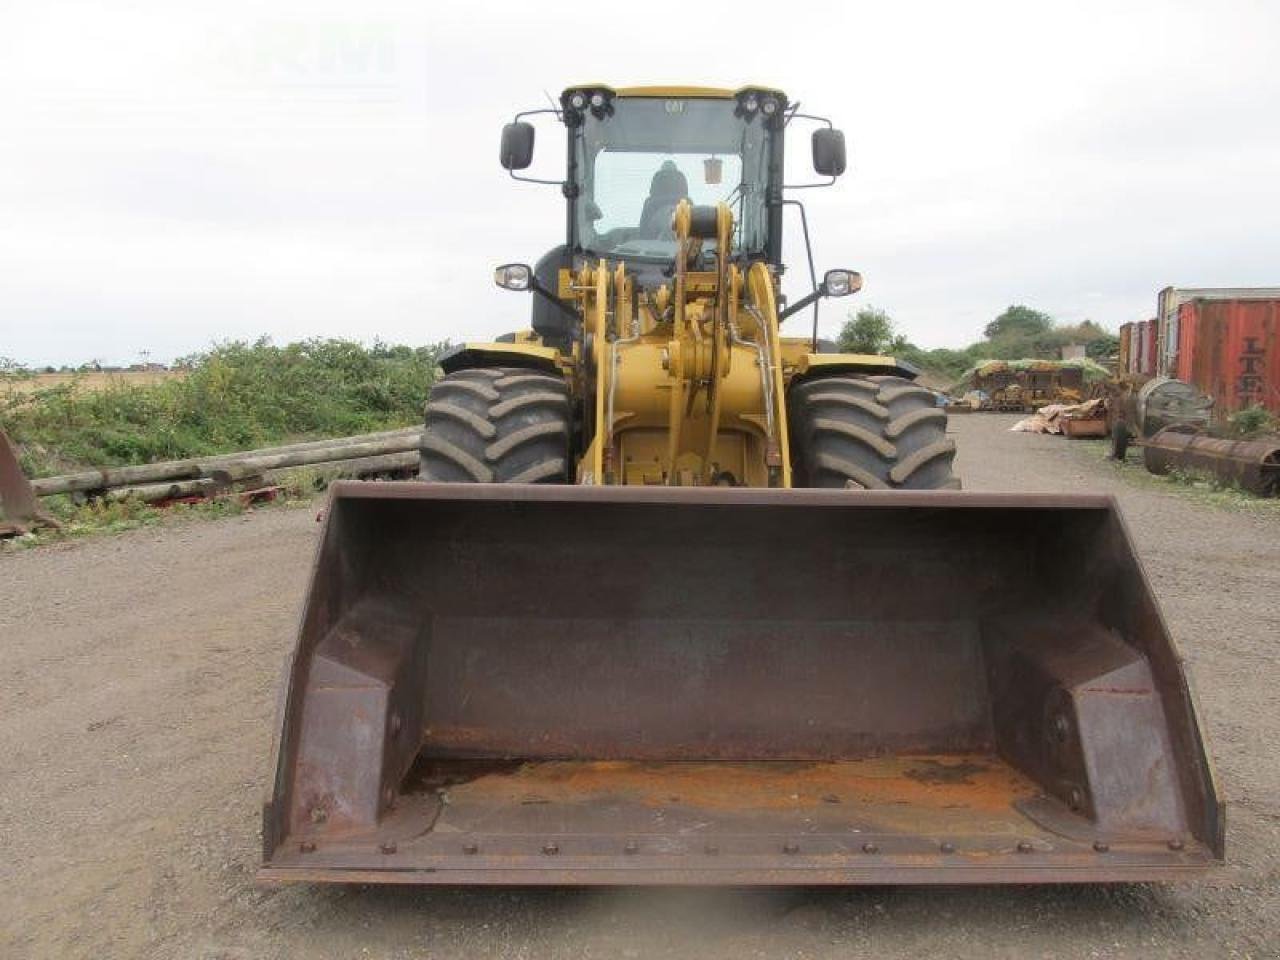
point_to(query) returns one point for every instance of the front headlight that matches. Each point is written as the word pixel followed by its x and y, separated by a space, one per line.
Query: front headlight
pixel 841 283
pixel 513 276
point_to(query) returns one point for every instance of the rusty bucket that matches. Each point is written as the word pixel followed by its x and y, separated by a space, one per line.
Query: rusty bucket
pixel 20 511
pixel 571 685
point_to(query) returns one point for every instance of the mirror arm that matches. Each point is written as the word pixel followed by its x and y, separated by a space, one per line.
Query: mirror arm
pixel 803 302
pixel 533 113
pixel 809 116
pixel 554 183
pixel 808 186
pixel 516 119
pixel 813 274
pixel 541 291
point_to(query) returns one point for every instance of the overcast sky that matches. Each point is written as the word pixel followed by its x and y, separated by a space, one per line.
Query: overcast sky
pixel 172 174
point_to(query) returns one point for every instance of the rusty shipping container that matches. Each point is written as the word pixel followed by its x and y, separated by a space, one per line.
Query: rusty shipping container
pixel 1138 348
pixel 1169 304
pixel 1147 334
pixel 1230 349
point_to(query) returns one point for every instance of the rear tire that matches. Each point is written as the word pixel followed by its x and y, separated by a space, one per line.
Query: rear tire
pixel 877 433
pixel 498 425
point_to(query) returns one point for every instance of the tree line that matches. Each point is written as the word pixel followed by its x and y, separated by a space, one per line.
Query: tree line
pixel 1016 333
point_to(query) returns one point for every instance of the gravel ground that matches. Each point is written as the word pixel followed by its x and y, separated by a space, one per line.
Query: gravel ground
pixel 136 705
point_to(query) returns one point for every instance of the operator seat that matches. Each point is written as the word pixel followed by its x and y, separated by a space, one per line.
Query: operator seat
pixel 668 187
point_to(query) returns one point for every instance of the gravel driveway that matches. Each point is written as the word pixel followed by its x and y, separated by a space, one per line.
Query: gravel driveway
pixel 137 699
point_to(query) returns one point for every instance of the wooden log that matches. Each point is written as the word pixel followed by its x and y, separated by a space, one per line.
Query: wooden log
pixel 358 467
pixel 221 481
pixel 151 492
pixel 110 477
pixel 235 475
pixel 414 432
pixel 315 451
pixel 356 449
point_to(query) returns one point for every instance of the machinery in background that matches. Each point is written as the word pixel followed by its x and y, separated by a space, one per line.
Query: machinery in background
pixel 1019 386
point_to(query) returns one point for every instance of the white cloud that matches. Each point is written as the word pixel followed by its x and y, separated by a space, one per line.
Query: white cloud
pixel 173 176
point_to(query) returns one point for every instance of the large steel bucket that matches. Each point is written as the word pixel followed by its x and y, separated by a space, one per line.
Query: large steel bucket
pixel 498 684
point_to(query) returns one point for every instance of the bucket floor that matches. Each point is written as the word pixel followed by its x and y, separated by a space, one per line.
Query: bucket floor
pixel 953 818
pixel 964 794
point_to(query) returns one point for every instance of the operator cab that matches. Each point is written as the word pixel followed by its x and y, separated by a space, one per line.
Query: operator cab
pixel 633 158
pixel 634 153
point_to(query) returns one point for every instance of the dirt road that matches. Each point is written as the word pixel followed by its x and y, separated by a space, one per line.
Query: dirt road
pixel 136 704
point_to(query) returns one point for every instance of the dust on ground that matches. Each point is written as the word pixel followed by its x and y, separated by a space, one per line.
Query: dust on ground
pixel 138 696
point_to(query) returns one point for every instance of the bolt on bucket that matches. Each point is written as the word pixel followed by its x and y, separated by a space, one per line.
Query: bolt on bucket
pixel 593 685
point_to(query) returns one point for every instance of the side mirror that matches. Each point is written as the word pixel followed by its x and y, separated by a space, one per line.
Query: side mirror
pixel 516 152
pixel 514 276
pixel 828 152
pixel 841 283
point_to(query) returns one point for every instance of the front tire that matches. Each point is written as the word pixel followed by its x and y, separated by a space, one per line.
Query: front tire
pixel 876 433
pixel 498 425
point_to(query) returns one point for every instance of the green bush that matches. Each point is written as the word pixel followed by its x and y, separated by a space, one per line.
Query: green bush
pixel 1252 421
pixel 235 396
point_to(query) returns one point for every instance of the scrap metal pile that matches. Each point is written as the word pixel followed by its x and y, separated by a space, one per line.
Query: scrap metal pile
pixel 1020 386
pixel 1171 422
pixel 1086 419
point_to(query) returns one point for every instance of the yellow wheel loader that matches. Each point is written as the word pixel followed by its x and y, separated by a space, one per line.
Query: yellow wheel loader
pixel 679 599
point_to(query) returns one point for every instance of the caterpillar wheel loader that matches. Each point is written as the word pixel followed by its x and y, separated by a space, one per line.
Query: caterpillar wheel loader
pixel 679 599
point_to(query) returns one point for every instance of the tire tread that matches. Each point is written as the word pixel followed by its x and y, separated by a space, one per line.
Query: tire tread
pixel 873 432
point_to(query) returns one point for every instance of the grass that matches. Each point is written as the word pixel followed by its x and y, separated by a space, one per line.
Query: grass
pixel 236 396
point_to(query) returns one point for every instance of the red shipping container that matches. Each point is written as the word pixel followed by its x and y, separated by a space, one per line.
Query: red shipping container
pixel 1138 347
pixel 1230 349
pixel 1148 334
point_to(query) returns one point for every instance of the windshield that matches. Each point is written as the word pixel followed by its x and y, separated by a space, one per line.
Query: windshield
pixel 637 163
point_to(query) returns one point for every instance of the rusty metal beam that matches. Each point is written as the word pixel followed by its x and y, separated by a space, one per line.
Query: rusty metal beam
pixel 1253 465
